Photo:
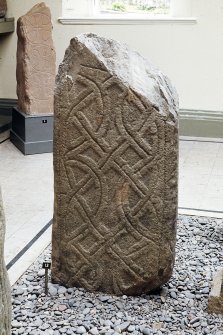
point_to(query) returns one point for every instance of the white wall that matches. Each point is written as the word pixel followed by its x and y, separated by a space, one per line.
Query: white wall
pixel 191 55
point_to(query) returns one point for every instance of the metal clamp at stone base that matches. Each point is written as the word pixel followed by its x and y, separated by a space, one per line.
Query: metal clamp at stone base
pixel 32 134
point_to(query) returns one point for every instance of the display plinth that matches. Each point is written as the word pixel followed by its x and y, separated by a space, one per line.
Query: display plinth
pixel 7 25
pixel 32 134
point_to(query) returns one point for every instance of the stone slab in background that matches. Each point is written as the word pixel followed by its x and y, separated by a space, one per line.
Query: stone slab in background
pixel 5 290
pixel 215 302
pixel 3 8
pixel 36 58
pixel 116 170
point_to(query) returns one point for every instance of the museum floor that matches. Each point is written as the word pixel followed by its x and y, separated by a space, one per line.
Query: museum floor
pixel 27 187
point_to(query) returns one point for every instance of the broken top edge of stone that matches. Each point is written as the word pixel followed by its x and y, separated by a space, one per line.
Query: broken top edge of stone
pixel 35 8
pixel 131 67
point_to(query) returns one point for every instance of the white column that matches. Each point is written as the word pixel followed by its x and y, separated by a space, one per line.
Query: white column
pixel 180 8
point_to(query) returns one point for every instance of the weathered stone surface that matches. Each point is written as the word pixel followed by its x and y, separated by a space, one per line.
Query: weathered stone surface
pixel 5 292
pixel 115 163
pixel 3 8
pixel 35 71
pixel 215 302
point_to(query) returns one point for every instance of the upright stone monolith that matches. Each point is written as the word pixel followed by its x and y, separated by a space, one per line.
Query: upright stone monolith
pixel 215 301
pixel 3 8
pixel 5 292
pixel 116 170
pixel 35 61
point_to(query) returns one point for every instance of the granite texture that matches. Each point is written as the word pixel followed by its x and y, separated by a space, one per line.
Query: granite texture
pixel 3 8
pixel 116 170
pixel 5 290
pixel 36 59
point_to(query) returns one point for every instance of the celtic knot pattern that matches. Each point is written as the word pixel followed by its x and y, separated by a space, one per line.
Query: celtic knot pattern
pixel 115 186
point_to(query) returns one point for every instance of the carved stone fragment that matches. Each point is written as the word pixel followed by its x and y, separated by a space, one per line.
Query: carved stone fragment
pixel 35 71
pixel 5 300
pixel 116 170
pixel 215 301
pixel 3 8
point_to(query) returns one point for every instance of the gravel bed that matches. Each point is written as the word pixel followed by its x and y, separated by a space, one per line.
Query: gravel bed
pixel 178 308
